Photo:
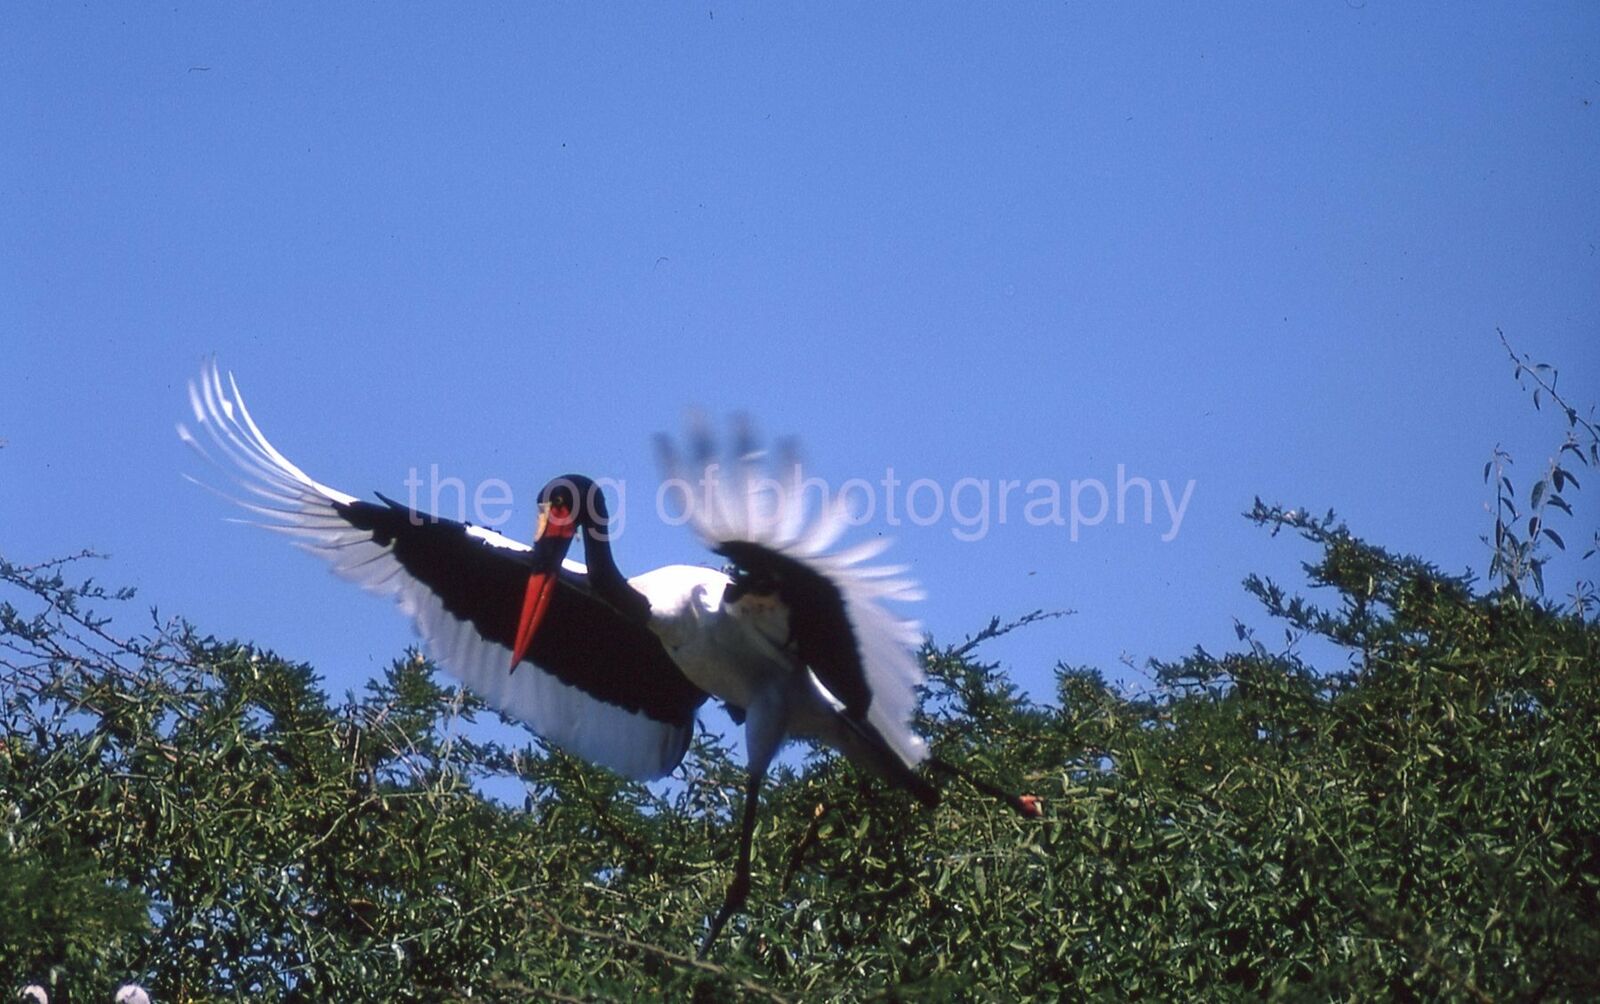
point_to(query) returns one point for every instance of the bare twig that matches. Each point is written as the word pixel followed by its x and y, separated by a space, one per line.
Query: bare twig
pixel 995 629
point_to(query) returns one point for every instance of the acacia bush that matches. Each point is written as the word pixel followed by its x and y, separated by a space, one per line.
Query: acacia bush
pixel 1420 820
pixel 1416 817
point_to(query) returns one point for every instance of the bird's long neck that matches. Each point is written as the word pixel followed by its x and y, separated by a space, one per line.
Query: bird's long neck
pixel 608 580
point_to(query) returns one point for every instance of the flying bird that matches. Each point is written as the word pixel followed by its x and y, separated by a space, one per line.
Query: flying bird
pixel 794 636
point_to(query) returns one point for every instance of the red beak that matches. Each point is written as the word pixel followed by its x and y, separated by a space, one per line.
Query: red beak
pixel 549 547
pixel 534 604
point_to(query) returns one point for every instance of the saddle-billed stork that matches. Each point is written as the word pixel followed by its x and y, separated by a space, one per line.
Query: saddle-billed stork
pixel 795 638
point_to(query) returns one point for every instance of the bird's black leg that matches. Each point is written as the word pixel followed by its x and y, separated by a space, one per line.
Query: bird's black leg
pixel 740 889
pixel 1025 805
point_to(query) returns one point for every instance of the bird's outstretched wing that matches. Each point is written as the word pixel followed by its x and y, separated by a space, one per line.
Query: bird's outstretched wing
pixel 592 682
pixel 753 510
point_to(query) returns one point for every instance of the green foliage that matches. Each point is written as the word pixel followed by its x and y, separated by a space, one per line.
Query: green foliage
pixel 1522 534
pixel 1421 820
pixel 1416 816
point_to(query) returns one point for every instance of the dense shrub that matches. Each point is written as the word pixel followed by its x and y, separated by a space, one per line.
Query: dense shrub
pixel 1420 819
pixel 1415 817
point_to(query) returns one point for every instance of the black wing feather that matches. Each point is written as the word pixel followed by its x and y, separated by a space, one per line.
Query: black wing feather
pixel 819 627
pixel 583 640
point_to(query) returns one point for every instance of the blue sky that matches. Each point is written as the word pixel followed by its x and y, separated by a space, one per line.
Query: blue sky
pixel 1259 248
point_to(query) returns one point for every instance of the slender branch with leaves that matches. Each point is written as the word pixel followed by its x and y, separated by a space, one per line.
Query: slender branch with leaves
pixel 1521 532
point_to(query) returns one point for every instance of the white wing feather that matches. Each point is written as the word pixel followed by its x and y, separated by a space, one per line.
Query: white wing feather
pixel 286 499
pixel 737 499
